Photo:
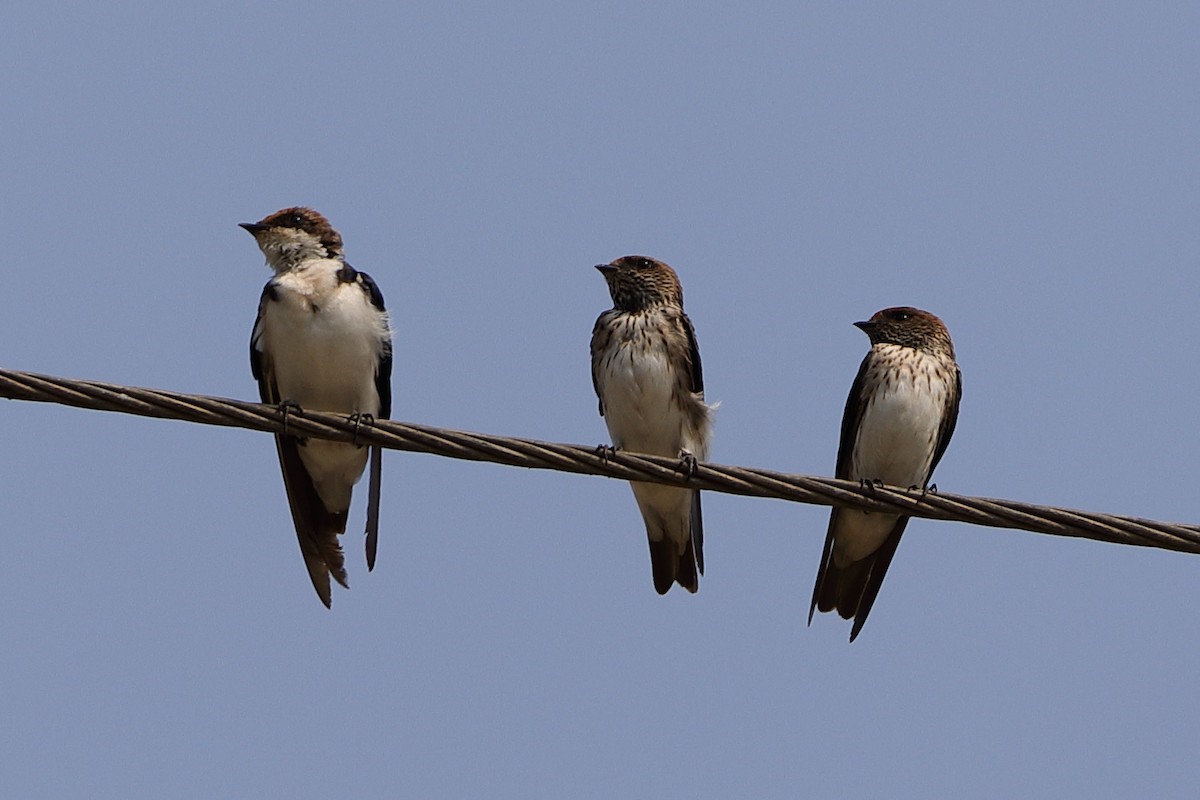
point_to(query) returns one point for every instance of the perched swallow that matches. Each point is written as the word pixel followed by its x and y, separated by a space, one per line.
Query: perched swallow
pixel 899 418
pixel 321 342
pixel 646 372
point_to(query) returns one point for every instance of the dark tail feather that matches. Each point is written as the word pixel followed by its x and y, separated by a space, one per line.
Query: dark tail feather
pixel 698 532
pixel 373 506
pixel 685 571
pixel 880 562
pixel 317 529
pixel 662 564
pixel 843 587
pixel 669 566
pixel 323 554
pixel 851 589
pixel 823 586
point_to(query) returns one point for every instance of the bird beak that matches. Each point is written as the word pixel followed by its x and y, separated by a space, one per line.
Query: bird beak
pixel 865 327
pixel 606 269
pixel 253 227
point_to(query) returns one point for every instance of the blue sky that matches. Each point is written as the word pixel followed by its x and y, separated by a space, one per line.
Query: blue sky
pixel 1027 171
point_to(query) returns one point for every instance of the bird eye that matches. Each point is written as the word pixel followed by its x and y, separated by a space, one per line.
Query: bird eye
pixel 644 263
pixel 901 316
pixel 297 220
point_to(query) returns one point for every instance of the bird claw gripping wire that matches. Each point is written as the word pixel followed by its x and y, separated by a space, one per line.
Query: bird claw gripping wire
pixel 687 463
pixel 286 409
pixel 869 485
pixel 360 419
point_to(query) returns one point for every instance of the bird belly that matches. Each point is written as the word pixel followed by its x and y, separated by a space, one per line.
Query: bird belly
pixel 897 435
pixel 639 409
pixel 326 341
pixel 896 439
pixel 326 349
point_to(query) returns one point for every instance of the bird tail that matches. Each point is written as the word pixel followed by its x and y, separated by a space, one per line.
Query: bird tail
pixel 851 589
pixel 323 553
pixel 317 528
pixel 668 564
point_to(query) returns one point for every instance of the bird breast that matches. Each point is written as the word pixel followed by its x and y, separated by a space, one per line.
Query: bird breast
pixel 898 431
pixel 326 340
pixel 639 386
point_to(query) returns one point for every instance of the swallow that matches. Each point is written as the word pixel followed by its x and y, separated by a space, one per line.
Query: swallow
pixel 647 375
pixel 321 342
pixel 898 420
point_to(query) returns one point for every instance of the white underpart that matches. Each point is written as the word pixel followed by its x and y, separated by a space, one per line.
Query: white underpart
pixel 896 439
pixel 326 361
pixel 638 385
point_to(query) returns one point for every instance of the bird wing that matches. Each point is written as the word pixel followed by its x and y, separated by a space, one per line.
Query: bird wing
pixel 949 420
pixel 694 370
pixel 601 334
pixel 852 589
pixel 383 387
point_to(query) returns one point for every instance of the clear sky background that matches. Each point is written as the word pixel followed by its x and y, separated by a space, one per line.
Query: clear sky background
pixel 1027 171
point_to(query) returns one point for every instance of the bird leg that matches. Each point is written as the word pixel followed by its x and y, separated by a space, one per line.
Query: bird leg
pixel 605 452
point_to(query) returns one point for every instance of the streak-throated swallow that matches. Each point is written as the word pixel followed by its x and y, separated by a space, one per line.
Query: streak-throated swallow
pixel 646 372
pixel 898 420
pixel 321 343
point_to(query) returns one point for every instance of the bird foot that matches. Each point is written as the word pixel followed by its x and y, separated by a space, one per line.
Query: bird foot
pixel 605 452
pixel 359 419
pixel 286 409
pixel 869 485
pixel 924 490
pixel 687 463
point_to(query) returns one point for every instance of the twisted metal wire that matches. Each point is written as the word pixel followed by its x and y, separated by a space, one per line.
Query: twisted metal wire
pixel 601 461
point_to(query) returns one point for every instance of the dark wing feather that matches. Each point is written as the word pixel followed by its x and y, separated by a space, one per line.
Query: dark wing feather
pixel 256 365
pixel 851 417
pixel 696 378
pixel 383 373
pixel 827 588
pixel 695 371
pixel 949 420
pixel 600 336
pixel 383 387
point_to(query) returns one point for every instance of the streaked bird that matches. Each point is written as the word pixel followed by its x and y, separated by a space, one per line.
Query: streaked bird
pixel 899 418
pixel 646 372
pixel 321 343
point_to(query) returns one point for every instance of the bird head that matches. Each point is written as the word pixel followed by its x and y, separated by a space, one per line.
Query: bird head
pixel 293 235
pixel 639 282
